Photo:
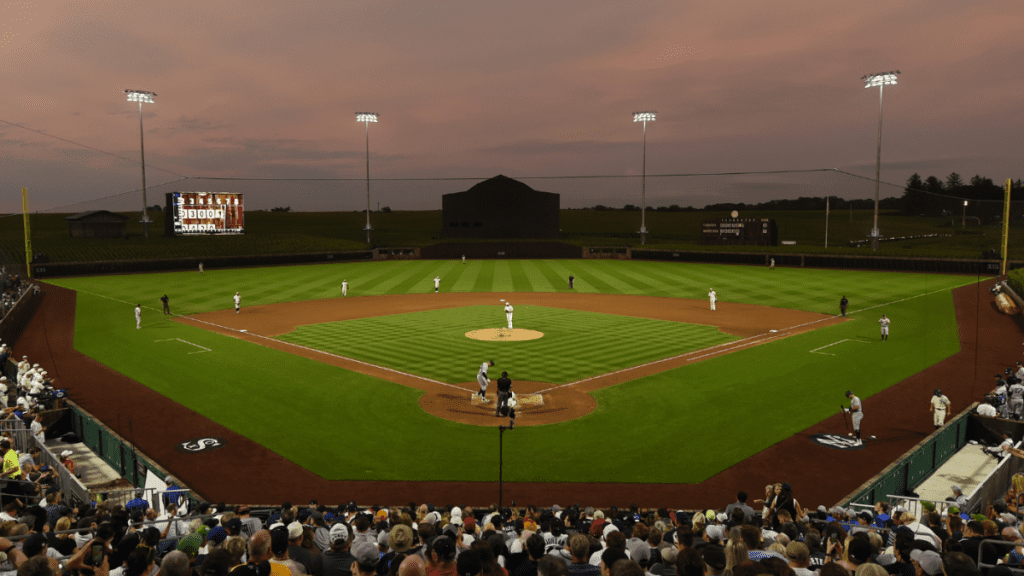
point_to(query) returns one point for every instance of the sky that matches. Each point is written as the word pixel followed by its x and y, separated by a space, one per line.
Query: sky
pixel 472 89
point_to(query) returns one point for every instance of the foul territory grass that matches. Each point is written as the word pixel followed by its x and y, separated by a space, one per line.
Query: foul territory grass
pixel 723 410
pixel 575 344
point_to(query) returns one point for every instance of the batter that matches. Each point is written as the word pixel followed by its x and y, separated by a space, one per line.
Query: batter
pixel 481 378
pixel 857 413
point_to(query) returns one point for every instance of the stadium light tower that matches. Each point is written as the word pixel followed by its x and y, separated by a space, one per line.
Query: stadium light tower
pixel 366 118
pixel 963 222
pixel 870 81
pixel 644 117
pixel 141 96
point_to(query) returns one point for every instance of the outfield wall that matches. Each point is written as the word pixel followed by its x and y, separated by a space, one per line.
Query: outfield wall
pixel 55 269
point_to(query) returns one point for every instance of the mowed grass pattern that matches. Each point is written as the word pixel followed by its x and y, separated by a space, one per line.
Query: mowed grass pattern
pixel 575 344
pixel 746 401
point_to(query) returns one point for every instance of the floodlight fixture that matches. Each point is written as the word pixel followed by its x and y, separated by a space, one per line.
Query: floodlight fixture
pixel 644 117
pixel 142 96
pixel 366 118
pixel 880 80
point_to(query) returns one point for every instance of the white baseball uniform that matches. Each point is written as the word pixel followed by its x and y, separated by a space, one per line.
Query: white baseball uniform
pixel 238 302
pixel 481 378
pixel 344 288
pixel 713 298
pixel 939 405
pixel 200 267
pixel 437 283
pixel 856 412
pixel 463 258
pixel 772 265
pixel 885 327
pixel 508 314
pixel 138 317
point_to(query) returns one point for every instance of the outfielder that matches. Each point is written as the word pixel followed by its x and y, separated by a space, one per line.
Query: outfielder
pixel 238 302
pixel 940 404
pixel 508 314
pixel 463 258
pixel 138 316
pixel 200 267
pixel 712 297
pixel 437 283
pixel 856 412
pixel 167 304
pixel 481 378
pixel 885 327
pixel 771 264
pixel 344 287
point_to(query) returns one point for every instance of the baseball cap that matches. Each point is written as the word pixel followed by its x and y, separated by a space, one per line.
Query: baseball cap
pixel 294 530
pixel 34 545
pixel 797 551
pixel 235 525
pixel 714 557
pixel 929 561
pixel 190 545
pixel 217 535
pixel 456 521
pixel 470 524
pixel 339 534
pixel 365 553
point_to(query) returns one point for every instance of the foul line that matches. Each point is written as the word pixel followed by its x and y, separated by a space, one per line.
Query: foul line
pixel 815 351
pixel 385 368
pixel 204 348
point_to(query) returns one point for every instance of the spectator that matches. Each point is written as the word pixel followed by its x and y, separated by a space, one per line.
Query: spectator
pixel 667 565
pixel 337 560
pixel 550 566
pixel 958 564
pixel 367 558
pixel 441 560
pixel 579 549
pixel 175 563
pixel 741 504
pixel 469 563
pixel 279 546
pixel 929 562
pixel 62 543
pixel 259 553
pixel 608 559
pixel 295 550
pixel 799 558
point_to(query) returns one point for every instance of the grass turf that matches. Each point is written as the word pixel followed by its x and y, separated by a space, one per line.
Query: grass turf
pixel 575 344
pixel 725 407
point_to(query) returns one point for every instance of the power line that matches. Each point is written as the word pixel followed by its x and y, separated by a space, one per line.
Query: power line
pixel 89 147
pixel 564 177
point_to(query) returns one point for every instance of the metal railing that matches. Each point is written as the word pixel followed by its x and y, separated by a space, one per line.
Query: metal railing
pixel 1002 548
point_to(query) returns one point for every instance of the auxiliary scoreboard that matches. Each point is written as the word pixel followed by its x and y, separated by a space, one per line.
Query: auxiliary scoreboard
pixel 194 213
pixel 756 231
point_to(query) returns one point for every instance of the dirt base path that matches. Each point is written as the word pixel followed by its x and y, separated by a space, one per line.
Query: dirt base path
pixel 244 471
pixel 755 325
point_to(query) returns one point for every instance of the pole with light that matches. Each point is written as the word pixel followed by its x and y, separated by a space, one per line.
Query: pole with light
pixel 644 117
pixel 366 118
pixel 963 223
pixel 870 81
pixel 141 96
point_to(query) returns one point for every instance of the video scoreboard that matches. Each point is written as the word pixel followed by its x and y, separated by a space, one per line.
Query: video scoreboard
pixel 194 213
pixel 755 231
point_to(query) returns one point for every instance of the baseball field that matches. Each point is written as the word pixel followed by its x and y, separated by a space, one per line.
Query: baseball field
pixel 632 364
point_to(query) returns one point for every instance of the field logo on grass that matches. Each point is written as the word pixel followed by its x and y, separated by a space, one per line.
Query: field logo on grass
pixel 836 441
pixel 199 445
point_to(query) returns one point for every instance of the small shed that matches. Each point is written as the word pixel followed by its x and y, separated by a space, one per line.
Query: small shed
pixel 96 224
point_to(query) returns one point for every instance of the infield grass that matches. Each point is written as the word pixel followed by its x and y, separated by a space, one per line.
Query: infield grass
pixel 722 410
pixel 575 344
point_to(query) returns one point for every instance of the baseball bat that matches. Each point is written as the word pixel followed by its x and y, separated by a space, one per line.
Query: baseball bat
pixel 845 421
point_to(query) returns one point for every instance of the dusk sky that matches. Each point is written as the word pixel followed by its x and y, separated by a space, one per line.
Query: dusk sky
pixel 471 88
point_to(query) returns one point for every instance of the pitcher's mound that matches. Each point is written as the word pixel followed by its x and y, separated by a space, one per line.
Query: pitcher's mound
pixel 504 334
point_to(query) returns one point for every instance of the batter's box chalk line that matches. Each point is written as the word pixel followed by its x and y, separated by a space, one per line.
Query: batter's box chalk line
pixel 815 351
pixel 204 348
pixel 522 401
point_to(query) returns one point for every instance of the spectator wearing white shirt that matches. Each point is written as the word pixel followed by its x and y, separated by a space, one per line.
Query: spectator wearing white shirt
pixel 174 528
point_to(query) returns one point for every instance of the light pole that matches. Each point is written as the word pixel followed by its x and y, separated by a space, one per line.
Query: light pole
pixel 644 117
pixel 963 223
pixel 366 118
pixel 141 96
pixel 870 81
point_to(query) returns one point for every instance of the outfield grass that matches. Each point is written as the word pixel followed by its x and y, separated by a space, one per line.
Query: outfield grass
pixel 726 408
pixel 575 344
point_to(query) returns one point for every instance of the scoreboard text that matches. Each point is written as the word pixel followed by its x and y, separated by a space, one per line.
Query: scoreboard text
pixel 190 213
pixel 755 231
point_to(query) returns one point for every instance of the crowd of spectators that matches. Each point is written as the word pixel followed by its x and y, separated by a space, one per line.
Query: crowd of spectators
pixel 11 289
pixel 1006 400
pixel 780 539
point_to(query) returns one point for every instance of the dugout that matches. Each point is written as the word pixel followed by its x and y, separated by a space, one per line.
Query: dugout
pixel 500 208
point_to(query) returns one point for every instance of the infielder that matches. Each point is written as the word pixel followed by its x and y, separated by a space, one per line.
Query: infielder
pixel 481 378
pixel 138 316
pixel 712 297
pixel 344 287
pixel 857 414
pixel 940 404
pixel 437 284
pixel 508 314
pixel 1016 399
pixel 885 327
pixel 167 306
pixel 843 304
pixel 238 302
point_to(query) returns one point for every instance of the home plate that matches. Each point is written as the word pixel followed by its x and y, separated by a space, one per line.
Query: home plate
pixel 523 401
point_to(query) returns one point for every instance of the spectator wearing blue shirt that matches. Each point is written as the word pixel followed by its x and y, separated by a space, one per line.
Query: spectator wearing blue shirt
pixel 138 502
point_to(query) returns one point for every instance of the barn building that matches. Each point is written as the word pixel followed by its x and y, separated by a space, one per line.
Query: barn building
pixel 500 208
pixel 96 224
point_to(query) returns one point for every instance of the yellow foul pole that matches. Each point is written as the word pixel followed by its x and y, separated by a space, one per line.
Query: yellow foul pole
pixel 1006 225
pixel 28 233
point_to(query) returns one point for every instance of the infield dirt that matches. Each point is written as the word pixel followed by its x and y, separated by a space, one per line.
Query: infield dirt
pixel 246 472
pixel 755 325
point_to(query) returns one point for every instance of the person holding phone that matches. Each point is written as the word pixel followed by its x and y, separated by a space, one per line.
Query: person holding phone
pixel 94 557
